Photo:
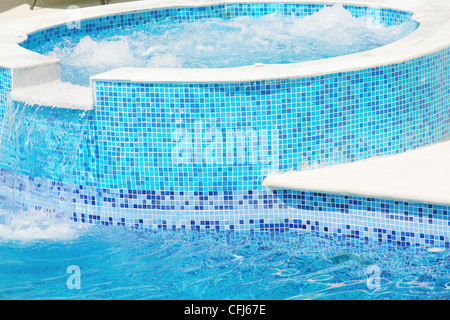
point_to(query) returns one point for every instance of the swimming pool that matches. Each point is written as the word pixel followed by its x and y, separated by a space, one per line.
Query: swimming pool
pixel 185 265
pixel 182 150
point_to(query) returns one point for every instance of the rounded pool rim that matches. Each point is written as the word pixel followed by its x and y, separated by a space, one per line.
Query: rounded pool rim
pixel 30 68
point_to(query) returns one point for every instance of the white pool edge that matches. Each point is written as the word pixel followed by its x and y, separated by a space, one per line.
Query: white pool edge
pixel 421 175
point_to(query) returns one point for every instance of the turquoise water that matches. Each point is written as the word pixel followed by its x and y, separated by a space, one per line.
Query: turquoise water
pixel 117 263
pixel 217 43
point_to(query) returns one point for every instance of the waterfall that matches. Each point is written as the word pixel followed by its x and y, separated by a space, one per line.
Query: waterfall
pixel 39 147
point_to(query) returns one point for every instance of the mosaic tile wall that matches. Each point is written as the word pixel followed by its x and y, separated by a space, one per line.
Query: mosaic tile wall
pixel 172 156
pixel 5 88
pixel 193 156
pixel 229 136
pixel 367 219
pixel 371 220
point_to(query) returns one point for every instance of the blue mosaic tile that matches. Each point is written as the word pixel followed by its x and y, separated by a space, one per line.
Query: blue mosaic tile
pixel 392 221
pixel 229 136
pixel 5 88
pixel 400 223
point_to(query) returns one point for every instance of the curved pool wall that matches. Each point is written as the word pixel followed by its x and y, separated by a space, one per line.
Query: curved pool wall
pixel 162 153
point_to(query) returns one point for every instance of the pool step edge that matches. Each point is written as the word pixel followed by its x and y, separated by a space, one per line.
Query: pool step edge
pixel 421 175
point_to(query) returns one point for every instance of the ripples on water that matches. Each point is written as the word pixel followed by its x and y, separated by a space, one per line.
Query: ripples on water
pixel 117 263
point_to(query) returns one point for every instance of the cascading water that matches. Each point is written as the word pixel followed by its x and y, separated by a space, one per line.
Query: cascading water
pixel 38 147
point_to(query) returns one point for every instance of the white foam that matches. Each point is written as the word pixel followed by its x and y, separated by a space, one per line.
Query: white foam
pixel 166 60
pixel 336 25
pixel 218 43
pixel 90 53
pixel 37 225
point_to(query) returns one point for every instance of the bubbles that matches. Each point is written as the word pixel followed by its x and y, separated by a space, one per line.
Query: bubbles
pixel 218 43
pixel 115 51
pixel 166 60
pixel 31 226
pixel 35 209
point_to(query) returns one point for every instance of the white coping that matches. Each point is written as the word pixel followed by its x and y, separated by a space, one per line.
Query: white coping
pixel 55 94
pixel 420 175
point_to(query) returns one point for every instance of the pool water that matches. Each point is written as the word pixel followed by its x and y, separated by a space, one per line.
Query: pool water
pixel 37 261
pixel 218 43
